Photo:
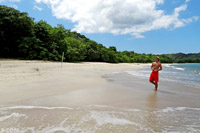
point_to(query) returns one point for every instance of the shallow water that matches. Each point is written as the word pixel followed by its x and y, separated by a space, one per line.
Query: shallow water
pixel 182 73
pixel 99 118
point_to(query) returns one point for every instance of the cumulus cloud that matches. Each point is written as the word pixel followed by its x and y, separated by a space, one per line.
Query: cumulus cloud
pixel 118 16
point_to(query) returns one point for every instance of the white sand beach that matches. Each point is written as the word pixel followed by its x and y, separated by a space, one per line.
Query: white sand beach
pixel 23 80
pixel 41 96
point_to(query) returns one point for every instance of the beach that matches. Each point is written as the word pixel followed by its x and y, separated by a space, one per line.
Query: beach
pixel 42 96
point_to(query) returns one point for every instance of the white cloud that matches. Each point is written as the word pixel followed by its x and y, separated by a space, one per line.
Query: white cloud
pixel 117 16
pixel 38 8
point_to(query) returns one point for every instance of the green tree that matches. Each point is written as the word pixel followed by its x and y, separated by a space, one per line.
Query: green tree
pixel 76 51
pixel 14 25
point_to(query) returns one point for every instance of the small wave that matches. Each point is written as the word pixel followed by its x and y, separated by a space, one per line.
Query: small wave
pixel 171 109
pixel 13 115
pixel 33 107
pixel 103 118
pixel 103 106
pixel 178 68
pixel 174 67
pixel 115 119
pixel 132 110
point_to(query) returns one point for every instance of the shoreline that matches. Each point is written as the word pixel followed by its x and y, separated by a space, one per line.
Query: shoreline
pixel 30 80
pixel 77 98
pixel 39 76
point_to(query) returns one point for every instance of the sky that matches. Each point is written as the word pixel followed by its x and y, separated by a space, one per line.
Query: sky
pixel 142 26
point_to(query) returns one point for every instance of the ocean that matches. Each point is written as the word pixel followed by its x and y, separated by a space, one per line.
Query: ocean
pixel 182 73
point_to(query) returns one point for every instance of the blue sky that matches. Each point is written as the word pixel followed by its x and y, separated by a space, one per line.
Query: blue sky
pixel 143 26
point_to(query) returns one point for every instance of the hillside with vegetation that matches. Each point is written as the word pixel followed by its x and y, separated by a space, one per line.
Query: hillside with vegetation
pixel 185 58
pixel 22 38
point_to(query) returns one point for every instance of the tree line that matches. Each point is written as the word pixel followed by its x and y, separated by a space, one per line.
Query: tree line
pixel 22 38
pixel 185 58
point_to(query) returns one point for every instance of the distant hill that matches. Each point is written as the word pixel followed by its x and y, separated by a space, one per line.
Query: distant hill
pixel 185 58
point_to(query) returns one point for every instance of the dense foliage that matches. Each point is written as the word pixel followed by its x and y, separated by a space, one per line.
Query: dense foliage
pixel 21 37
pixel 185 58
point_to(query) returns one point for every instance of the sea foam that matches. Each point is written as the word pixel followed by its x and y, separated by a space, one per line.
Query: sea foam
pixel 33 107
pixel 171 109
pixel 103 118
pixel 13 115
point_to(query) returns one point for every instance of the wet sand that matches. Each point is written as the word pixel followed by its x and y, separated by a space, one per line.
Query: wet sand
pixel 38 96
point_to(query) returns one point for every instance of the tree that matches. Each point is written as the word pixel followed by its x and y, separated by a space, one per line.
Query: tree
pixel 14 25
pixel 92 51
pixel 76 51
pixel 113 48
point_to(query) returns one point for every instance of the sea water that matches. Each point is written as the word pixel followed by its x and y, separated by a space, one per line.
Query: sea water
pixel 182 73
pixel 97 118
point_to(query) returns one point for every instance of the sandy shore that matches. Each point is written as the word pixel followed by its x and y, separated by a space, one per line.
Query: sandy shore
pixel 39 96
pixel 21 81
